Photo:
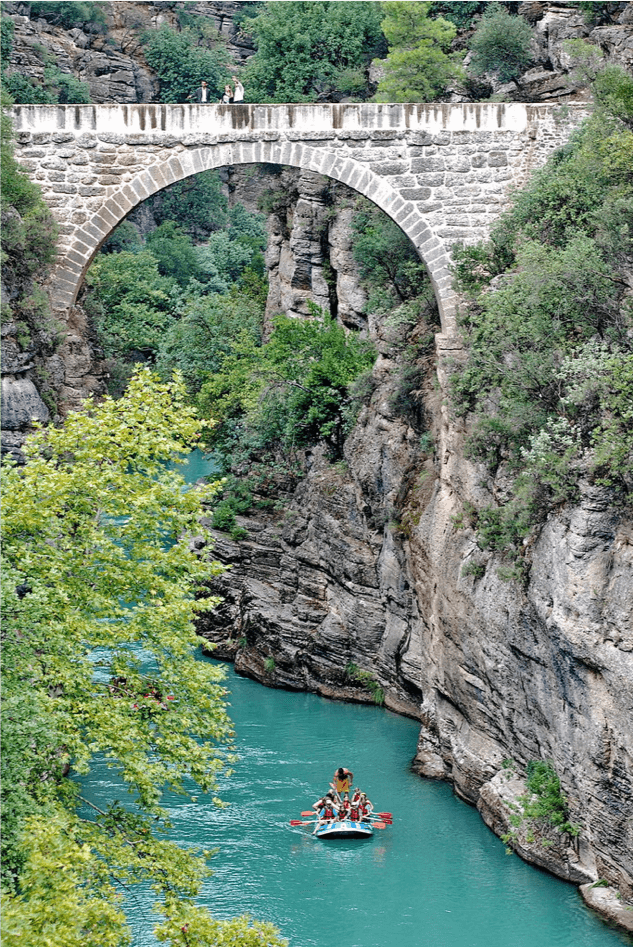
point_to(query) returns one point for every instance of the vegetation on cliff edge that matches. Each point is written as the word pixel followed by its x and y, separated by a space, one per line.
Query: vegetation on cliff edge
pixel 548 379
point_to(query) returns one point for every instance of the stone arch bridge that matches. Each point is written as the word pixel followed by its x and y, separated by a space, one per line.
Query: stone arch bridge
pixel 442 172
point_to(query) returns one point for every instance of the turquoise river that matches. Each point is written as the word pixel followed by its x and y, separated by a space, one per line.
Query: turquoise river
pixel 436 878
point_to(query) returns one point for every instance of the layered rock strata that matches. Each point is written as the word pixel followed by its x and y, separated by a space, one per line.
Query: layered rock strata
pixel 370 565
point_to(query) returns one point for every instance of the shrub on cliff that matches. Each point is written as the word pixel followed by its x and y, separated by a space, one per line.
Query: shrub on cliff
pixel 501 44
pixel 29 232
pixel 310 52
pixel 289 393
pixel 547 382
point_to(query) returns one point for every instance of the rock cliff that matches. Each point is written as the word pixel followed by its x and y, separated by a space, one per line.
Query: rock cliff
pixel 370 566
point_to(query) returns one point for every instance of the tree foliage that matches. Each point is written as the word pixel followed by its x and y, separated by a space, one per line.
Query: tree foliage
pixel 131 302
pixel 501 44
pixel 312 51
pixel 97 570
pixel 29 232
pixel 547 381
pixel 182 60
pixel 419 64
pixel 390 268
pixel 291 392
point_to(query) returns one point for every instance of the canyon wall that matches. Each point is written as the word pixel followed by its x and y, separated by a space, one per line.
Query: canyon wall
pixel 369 564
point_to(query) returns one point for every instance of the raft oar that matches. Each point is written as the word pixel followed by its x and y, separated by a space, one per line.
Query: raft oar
pixel 299 822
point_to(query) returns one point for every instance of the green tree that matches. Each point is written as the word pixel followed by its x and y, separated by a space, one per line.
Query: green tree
pixel 419 65
pixel 390 268
pixel 97 570
pixel 311 51
pixel 293 391
pixel 501 44
pixel 196 204
pixel 131 303
pixel 197 344
pixel 181 64
pixel 174 252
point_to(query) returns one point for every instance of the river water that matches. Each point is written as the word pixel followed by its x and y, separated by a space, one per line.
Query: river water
pixel 436 878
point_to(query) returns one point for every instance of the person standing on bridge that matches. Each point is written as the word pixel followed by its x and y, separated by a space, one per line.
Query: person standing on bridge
pixel 228 95
pixel 238 95
pixel 202 94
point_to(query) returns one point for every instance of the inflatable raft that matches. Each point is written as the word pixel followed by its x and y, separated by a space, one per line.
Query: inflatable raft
pixel 343 829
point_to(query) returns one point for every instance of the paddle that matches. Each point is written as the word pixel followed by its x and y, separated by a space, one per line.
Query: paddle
pixel 387 816
pixel 299 822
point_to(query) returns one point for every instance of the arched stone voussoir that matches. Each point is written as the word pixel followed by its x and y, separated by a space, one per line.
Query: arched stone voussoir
pixel 296 154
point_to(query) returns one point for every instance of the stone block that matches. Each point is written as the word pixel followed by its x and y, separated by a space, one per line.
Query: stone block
pixel 64 188
pixel 90 191
pixel 61 137
pixel 86 141
pixel 497 159
pixel 419 165
pixel 419 138
pixel 390 167
pixel 416 194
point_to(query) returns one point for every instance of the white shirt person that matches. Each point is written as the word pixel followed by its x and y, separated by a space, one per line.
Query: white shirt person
pixel 238 95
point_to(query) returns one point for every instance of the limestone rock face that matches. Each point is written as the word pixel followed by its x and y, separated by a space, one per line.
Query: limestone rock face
pixel 309 255
pixel 112 62
pixel 372 565
pixel 365 567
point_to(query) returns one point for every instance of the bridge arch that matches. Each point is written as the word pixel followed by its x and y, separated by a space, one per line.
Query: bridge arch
pixel 442 172
pixel 86 241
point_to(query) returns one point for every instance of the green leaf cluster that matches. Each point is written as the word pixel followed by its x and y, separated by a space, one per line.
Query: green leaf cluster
pixel 548 326
pixel 290 392
pixel 501 44
pixel 29 232
pixel 183 59
pixel 545 800
pixel 313 51
pixel 69 13
pixel 97 571
pixel 420 64
pixel 390 269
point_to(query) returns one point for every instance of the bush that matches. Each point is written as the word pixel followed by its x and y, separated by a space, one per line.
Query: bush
pixel 545 800
pixel 69 14
pixel 181 64
pixel 547 378
pixel 501 44
pixel 311 51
